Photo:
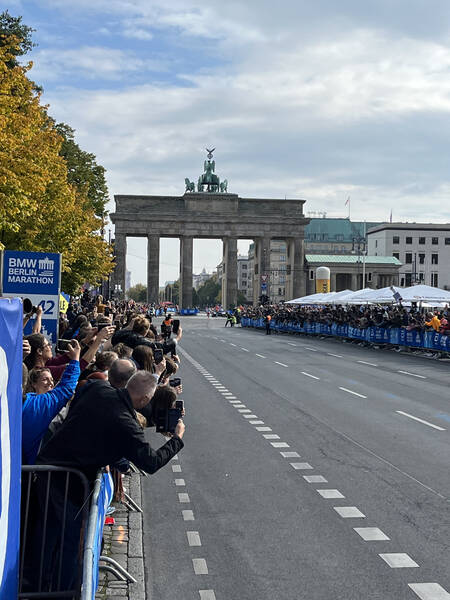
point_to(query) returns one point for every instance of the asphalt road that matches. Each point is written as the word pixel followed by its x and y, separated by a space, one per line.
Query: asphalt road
pixel 312 469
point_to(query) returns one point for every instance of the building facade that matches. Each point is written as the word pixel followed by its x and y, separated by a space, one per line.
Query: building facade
pixel 422 248
pixel 336 236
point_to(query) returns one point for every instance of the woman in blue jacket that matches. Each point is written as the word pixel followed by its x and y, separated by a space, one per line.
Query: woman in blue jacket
pixel 43 402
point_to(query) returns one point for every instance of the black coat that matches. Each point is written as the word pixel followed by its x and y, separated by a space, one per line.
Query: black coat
pixel 100 429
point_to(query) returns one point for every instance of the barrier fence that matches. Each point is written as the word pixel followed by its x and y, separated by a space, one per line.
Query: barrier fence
pixel 54 511
pixel 395 336
pixel 101 499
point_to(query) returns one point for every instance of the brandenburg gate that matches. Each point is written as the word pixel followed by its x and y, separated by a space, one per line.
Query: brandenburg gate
pixel 211 212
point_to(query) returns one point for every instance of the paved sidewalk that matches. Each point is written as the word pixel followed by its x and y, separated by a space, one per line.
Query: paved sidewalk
pixel 123 543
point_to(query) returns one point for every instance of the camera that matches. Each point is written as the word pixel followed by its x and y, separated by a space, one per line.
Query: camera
pixel 175 382
pixel 176 325
pixel 166 419
pixel 158 355
pixel 63 345
pixel 28 307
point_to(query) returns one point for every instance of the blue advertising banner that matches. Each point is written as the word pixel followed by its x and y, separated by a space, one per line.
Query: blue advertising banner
pixel 10 442
pixel 376 335
pixel 37 276
pixel 104 500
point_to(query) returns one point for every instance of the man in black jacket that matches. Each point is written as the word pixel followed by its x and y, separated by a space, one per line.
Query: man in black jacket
pixel 100 429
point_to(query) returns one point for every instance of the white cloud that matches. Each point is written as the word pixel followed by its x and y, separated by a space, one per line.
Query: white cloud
pixel 91 62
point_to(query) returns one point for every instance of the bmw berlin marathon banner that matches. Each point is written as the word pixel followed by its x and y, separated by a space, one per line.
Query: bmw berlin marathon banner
pixel 10 442
pixel 37 276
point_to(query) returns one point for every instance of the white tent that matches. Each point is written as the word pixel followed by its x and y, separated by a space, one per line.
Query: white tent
pixel 320 298
pixel 348 298
pixel 382 296
pixel 424 293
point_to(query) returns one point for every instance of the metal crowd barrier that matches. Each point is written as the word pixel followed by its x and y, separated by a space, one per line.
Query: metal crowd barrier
pixel 52 499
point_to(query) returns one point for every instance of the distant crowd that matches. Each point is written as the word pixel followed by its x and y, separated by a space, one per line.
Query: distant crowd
pixel 356 316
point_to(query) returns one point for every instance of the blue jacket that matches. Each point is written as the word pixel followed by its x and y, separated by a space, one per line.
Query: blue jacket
pixel 39 410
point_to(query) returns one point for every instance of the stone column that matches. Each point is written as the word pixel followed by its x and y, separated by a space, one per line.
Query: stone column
pixel 153 268
pixel 262 267
pixel 185 300
pixel 296 282
pixel 355 286
pixel 229 276
pixel 120 253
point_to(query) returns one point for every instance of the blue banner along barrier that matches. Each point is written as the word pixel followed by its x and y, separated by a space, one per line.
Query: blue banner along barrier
pixel 101 499
pixel 376 335
pixel 10 443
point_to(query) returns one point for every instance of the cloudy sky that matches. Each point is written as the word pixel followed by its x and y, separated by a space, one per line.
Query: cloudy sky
pixel 312 99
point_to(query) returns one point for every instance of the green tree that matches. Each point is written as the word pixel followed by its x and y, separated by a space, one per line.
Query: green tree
pixel 15 36
pixel 207 294
pixel 138 293
pixel 83 172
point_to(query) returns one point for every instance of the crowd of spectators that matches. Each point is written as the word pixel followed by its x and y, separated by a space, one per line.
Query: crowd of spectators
pixel 361 316
pixel 85 407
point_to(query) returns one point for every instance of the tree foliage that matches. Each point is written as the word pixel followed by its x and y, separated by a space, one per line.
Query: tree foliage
pixel 83 172
pixel 208 293
pixel 138 293
pixel 40 210
pixel 15 37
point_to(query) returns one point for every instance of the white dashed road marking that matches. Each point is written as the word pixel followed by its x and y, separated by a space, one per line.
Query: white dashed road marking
pixel 263 428
pixel 258 423
pixel 291 344
pixel 336 355
pixel 183 498
pixel 245 350
pixel 176 468
pixel 301 466
pixel 330 494
pixel 200 566
pixel 180 482
pixel 400 412
pixel 271 436
pixel 250 416
pixel 207 595
pixel 309 375
pixel 280 445
pixel 398 560
pixel 278 363
pixel 193 538
pixel 352 392
pixel 311 349
pixel 260 356
pixel 188 515
pixel 412 374
pixel 371 534
pixel 429 591
pixel 364 362
pixel 349 512
pixel 290 455
pixel 315 479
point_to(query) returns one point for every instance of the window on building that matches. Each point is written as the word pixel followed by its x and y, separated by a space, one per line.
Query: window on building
pixel 434 279
pixel 376 243
pixel 369 276
pixel 339 237
pixel 282 257
pixel 396 239
pixel 447 241
pixel 435 241
pixel 408 240
pixel 396 255
pixel 421 277
pixel 282 267
pixel 402 282
pixel 408 258
pixel 421 241
pixel 421 259
pixel 311 274
pixel 434 259
pixel 408 279
pixel 244 267
pixel 282 279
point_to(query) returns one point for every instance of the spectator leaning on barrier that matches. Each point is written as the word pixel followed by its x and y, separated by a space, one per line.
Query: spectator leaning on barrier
pixel 100 429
